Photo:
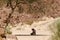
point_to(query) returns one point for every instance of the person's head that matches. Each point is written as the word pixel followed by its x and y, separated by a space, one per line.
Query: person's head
pixel 33 29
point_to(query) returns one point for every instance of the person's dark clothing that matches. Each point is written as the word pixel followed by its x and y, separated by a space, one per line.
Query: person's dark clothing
pixel 33 32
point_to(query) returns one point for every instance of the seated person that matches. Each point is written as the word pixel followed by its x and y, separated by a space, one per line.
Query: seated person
pixel 33 32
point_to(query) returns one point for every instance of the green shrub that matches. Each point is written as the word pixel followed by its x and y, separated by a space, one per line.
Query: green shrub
pixel 55 28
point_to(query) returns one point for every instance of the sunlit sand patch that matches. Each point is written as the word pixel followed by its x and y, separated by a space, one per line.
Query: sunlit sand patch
pixel 41 27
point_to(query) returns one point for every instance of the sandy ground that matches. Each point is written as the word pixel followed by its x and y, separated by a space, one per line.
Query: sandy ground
pixel 41 27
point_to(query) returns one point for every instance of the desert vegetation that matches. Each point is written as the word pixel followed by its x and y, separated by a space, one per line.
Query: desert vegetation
pixel 55 27
pixel 27 11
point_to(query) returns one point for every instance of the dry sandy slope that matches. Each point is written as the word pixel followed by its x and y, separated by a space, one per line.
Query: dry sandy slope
pixel 42 28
